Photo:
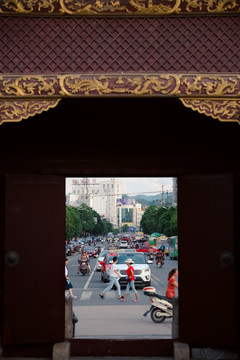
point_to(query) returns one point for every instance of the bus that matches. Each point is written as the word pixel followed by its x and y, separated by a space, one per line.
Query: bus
pixel 173 247
pixel 162 242
pixel 139 235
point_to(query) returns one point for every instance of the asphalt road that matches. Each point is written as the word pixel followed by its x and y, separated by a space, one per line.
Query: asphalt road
pixel 110 317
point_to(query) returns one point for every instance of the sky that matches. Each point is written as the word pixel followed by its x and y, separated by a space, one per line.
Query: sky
pixel 134 186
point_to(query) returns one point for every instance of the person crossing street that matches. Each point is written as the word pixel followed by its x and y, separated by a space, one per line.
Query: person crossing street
pixel 114 276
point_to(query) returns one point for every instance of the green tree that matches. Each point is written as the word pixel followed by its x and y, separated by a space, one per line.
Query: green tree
pixel 73 223
pixel 149 220
pixel 125 228
pixel 167 222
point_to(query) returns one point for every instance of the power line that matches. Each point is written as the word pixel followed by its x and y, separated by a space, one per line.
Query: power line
pixel 120 194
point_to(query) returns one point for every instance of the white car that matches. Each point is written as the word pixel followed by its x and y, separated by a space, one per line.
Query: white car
pixel 101 258
pixel 142 271
pixel 123 244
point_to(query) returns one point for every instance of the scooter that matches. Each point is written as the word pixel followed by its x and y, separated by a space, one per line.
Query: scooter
pixel 151 256
pixel 160 262
pixel 83 267
pixel 161 307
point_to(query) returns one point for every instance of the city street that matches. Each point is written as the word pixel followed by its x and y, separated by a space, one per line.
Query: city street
pixel 109 317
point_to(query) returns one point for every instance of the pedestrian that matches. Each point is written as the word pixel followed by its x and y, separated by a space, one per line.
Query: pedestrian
pixel 68 284
pixel 130 280
pixel 172 283
pixel 114 276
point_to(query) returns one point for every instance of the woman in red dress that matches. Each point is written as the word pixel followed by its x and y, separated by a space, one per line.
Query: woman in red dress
pixel 172 283
pixel 130 278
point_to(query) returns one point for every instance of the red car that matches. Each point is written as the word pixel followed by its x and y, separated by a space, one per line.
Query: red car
pixel 145 248
pixel 90 251
pixel 106 266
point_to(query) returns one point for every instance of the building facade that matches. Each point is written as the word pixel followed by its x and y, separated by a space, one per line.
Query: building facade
pixel 101 196
pixel 129 212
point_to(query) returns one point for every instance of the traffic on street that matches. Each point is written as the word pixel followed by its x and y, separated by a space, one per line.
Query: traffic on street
pixel 109 316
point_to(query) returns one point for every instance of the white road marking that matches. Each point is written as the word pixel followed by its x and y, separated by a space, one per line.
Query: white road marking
pixel 90 277
pixel 86 295
pixel 110 295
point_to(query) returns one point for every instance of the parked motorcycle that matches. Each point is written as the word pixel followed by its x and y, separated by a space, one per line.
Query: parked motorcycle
pixel 161 307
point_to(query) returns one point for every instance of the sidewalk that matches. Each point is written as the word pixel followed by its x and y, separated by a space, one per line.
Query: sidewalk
pixel 126 321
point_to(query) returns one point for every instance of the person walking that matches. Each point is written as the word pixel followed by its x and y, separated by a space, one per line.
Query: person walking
pixel 114 276
pixel 130 279
pixel 172 283
pixel 68 284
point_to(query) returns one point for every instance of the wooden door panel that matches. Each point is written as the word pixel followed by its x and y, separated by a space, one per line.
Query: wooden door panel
pixel 207 309
pixel 34 286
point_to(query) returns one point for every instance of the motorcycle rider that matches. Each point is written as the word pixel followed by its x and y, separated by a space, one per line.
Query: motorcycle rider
pixel 151 256
pixel 159 256
pixel 84 258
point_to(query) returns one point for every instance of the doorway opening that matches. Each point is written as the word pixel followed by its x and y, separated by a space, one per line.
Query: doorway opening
pixel 130 218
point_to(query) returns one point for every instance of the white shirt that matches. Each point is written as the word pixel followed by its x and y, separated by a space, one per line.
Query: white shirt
pixel 112 272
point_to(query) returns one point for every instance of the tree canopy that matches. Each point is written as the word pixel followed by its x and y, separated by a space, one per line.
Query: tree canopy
pixel 160 219
pixel 85 220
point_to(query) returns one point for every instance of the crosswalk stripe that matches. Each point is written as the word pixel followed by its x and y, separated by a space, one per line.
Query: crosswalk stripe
pixel 86 295
pixel 110 295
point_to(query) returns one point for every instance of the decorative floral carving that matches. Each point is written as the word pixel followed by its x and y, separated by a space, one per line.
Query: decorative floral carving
pixel 14 111
pixel 221 109
pixel 212 6
pixel 211 85
pixel 123 7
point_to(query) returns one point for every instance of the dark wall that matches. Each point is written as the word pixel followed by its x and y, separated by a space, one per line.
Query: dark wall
pixel 123 128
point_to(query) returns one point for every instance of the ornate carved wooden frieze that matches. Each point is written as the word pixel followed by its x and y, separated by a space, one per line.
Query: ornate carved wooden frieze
pixel 216 95
pixel 17 110
pixel 221 109
pixel 132 84
pixel 118 7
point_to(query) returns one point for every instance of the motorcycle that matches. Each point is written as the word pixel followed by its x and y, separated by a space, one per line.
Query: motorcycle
pixel 159 262
pixel 161 307
pixel 151 256
pixel 83 267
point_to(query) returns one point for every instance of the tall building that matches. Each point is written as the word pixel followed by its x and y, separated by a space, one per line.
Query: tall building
pixel 129 212
pixel 175 198
pixel 100 196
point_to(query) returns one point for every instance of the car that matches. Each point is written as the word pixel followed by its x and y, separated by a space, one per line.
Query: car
pixel 141 267
pixel 145 248
pixel 126 250
pixel 106 266
pixel 101 258
pixel 112 247
pixel 90 251
pixel 123 244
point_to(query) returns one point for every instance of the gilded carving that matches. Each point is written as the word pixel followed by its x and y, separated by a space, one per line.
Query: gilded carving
pixel 221 109
pixel 119 84
pixel 15 111
pixel 118 7
pixel 28 86
pixel 212 6
pixel 214 95
pixel 135 84
pixel 211 85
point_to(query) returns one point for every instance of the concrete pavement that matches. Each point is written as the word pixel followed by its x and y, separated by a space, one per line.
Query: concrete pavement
pixel 122 321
